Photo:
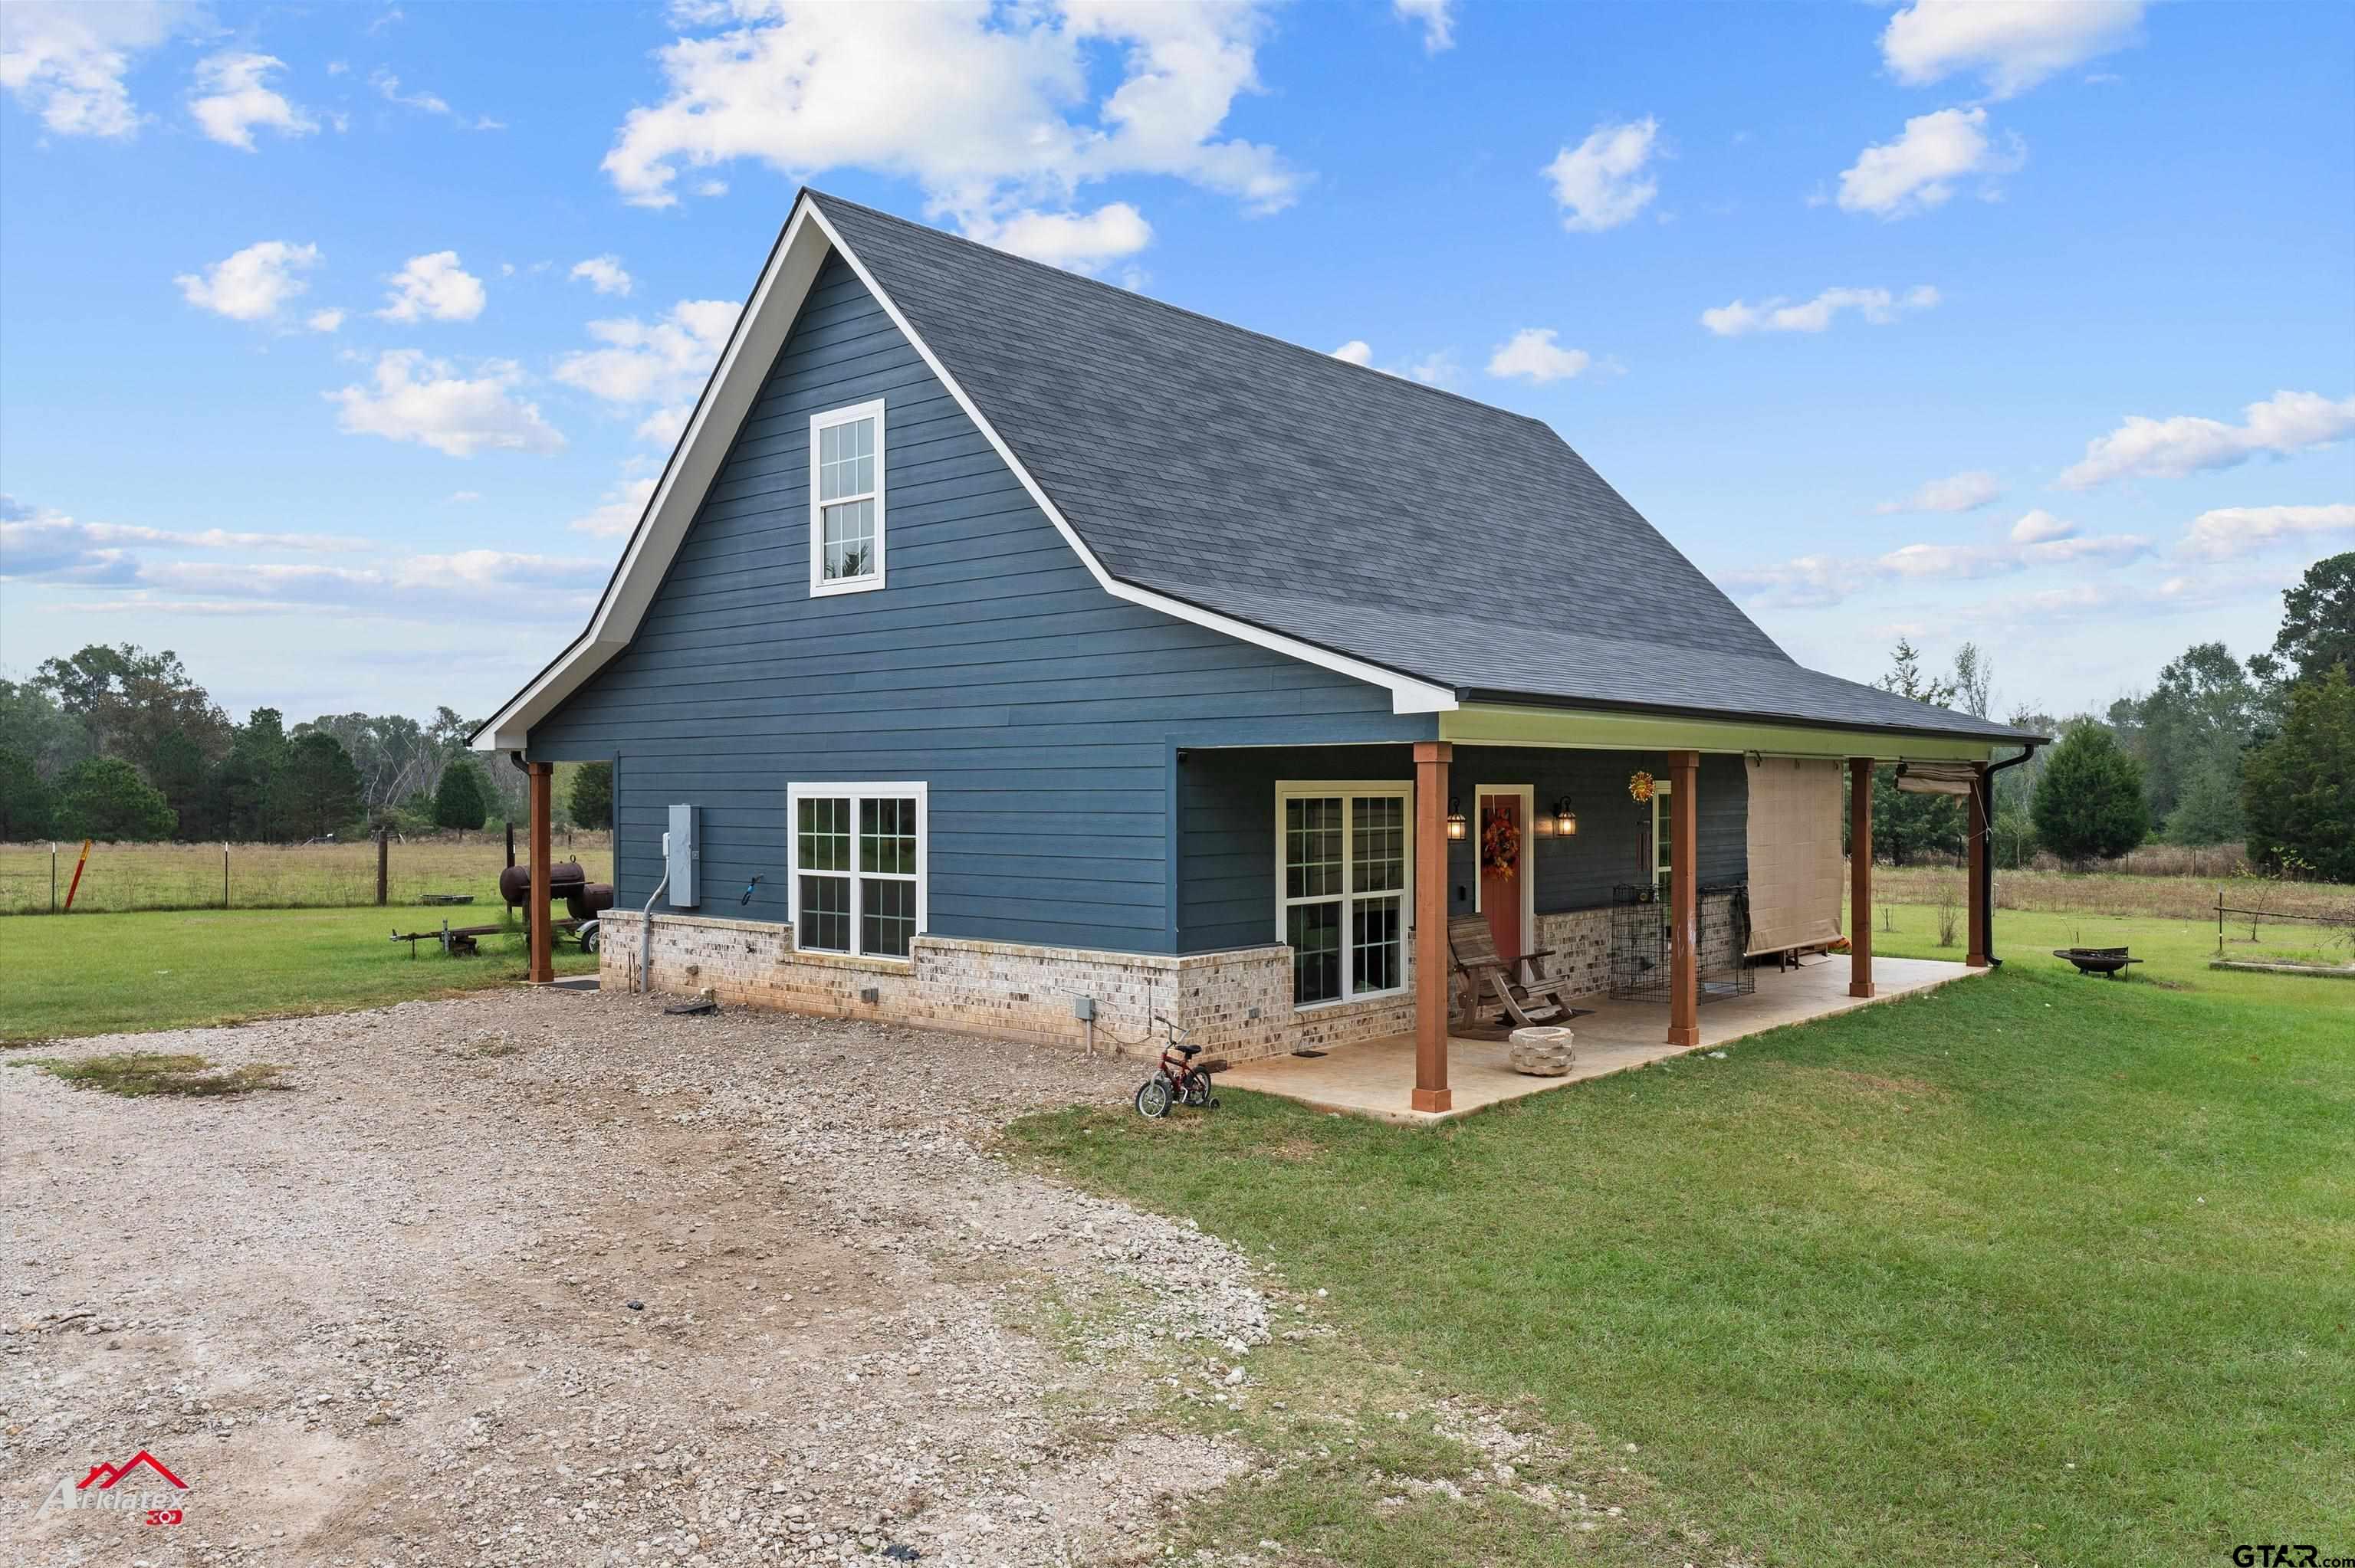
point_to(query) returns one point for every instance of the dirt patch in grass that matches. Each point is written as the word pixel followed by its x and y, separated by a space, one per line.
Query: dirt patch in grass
pixel 136 1073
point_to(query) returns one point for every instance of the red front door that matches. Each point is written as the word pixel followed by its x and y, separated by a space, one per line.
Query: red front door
pixel 1504 852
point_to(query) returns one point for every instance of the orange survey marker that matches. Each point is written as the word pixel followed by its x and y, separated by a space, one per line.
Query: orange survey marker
pixel 75 885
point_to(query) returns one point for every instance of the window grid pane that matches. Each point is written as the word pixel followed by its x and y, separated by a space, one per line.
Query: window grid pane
pixel 887 836
pixel 846 459
pixel 850 531
pixel 887 915
pixel 1378 844
pixel 1313 931
pixel 824 923
pixel 1312 847
pixel 1377 952
pixel 824 833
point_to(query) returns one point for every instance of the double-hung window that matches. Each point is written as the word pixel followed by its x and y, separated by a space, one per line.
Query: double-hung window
pixel 1345 864
pixel 1664 849
pixel 847 499
pixel 857 867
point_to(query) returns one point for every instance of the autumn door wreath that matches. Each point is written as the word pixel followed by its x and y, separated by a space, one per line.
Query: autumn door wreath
pixel 1500 840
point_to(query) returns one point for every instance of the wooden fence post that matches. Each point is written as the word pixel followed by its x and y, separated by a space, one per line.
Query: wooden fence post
pixel 383 862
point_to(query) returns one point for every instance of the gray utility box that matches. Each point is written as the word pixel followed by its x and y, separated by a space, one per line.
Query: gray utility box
pixel 683 845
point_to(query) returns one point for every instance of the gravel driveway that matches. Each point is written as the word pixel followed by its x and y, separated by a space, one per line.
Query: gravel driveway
pixel 558 1278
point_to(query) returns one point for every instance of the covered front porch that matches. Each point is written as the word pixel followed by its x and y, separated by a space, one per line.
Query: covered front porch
pixel 1376 1077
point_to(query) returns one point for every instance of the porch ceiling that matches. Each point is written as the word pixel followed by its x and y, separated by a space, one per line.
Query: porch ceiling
pixel 1599 730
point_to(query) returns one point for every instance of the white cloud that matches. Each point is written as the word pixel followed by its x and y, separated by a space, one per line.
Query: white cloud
pixel 2115 549
pixel 1955 492
pixel 604 273
pixel 2012 44
pixel 1084 242
pixel 461 497
pixel 619 512
pixel 253 283
pixel 425 400
pixel 2229 531
pixel 434 287
pixel 389 85
pixel 66 62
pixel 653 363
pixel 1437 18
pixel 1816 582
pixel 1533 355
pixel 993 110
pixel 232 98
pixel 468 582
pixel 2284 423
pixel 1601 183
pixel 2039 527
pixel 324 321
pixel 43 543
pixel 1438 369
pixel 665 425
pixel 1915 173
pixel 1878 306
pixel 1356 350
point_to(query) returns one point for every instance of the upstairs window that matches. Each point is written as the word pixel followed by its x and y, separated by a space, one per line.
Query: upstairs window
pixel 857 867
pixel 847 499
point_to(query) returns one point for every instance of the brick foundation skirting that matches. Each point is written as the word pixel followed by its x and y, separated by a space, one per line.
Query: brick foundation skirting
pixel 1236 1003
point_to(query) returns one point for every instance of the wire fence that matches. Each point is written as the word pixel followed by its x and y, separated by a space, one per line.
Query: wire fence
pixel 35 879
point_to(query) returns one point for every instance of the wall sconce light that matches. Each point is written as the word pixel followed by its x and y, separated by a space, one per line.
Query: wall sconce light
pixel 1565 820
pixel 1456 826
pixel 1543 826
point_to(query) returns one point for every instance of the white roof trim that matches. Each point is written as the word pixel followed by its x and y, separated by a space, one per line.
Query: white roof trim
pixel 735 383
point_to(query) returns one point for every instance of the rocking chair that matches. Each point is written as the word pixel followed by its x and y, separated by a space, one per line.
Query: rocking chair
pixel 1482 969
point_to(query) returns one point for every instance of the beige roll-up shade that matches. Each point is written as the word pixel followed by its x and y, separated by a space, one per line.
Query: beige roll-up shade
pixel 1795 866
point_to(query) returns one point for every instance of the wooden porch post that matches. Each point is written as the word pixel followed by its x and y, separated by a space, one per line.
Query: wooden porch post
pixel 1684 893
pixel 543 958
pixel 1860 875
pixel 1432 758
pixel 1982 868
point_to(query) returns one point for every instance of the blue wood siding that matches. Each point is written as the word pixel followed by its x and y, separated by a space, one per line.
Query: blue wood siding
pixel 1040 709
pixel 1226 870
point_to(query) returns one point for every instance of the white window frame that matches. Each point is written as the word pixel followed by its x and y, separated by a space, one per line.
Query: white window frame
pixel 819 586
pixel 794 795
pixel 1319 789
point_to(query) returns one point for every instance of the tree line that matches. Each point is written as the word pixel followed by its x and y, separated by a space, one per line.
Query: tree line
pixel 2219 751
pixel 120 744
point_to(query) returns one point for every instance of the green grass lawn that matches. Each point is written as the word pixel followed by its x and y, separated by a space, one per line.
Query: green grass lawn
pixel 97 974
pixel 2031 1270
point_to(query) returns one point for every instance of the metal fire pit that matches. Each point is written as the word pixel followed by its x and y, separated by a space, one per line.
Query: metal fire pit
pixel 2109 961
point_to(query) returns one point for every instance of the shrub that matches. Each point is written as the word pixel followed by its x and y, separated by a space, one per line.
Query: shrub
pixel 2089 801
pixel 591 800
pixel 104 798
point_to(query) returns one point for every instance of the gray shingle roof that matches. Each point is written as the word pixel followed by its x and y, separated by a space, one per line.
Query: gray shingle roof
pixel 1393 522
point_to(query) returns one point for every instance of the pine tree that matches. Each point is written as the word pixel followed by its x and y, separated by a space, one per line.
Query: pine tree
pixel 2298 788
pixel 458 803
pixel 104 798
pixel 591 800
pixel 2089 801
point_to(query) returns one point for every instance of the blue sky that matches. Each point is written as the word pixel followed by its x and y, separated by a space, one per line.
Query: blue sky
pixel 337 344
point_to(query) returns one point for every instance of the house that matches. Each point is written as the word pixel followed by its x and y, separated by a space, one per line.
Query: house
pixel 1000 646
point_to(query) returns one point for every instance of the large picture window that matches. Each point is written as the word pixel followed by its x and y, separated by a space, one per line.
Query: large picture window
pixel 847 499
pixel 857 867
pixel 1344 869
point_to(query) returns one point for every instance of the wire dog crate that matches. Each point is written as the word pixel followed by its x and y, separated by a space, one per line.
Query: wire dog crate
pixel 1641 940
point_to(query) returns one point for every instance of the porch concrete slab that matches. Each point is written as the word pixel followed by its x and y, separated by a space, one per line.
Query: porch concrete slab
pixel 1375 1078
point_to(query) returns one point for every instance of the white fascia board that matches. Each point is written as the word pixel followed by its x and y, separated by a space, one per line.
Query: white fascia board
pixel 735 383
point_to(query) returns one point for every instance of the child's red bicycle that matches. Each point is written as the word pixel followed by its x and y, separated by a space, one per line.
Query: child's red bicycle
pixel 1180 1077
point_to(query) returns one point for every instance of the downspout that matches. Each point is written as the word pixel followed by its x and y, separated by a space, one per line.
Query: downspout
pixel 1985 893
